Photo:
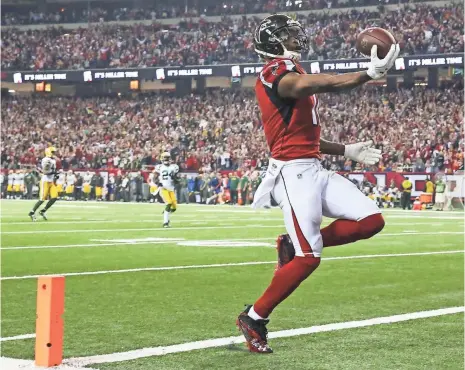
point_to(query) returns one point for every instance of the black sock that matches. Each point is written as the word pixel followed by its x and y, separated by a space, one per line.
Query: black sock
pixel 37 205
pixel 49 204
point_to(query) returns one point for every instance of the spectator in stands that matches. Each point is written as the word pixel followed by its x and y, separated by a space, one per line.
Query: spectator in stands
pixel 419 30
pixel 124 132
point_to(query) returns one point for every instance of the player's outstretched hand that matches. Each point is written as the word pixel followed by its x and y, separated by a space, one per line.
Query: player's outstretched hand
pixel 379 67
pixel 363 152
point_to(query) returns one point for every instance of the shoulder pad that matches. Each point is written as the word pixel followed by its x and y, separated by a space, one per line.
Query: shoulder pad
pixel 276 70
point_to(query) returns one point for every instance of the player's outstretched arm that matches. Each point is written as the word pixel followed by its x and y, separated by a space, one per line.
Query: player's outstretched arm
pixel 294 85
pixel 331 148
pixel 362 152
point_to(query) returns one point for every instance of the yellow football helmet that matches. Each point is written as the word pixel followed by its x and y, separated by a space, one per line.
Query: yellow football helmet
pixel 166 158
pixel 50 151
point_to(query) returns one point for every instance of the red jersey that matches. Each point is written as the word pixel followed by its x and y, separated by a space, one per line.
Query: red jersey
pixel 292 127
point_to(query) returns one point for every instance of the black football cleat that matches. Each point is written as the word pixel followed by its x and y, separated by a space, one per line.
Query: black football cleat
pixel 42 213
pixel 166 224
pixel 32 216
pixel 254 331
pixel 286 251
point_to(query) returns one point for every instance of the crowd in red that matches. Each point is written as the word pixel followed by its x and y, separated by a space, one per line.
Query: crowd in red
pixel 80 13
pixel 417 129
pixel 425 29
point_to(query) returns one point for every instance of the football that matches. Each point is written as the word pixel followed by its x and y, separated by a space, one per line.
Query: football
pixel 374 36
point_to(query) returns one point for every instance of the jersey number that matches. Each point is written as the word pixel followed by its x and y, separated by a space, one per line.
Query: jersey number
pixel 165 175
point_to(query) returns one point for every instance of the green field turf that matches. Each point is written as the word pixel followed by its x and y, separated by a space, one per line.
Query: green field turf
pixel 123 311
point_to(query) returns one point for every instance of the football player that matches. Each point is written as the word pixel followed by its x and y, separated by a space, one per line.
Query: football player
pixel 86 188
pixel 153 188
pixel 48 188
pixel 70 181
pixel 9 188
pixel 305 191
pixel 167 173
pixel 61 184
pixel 18 184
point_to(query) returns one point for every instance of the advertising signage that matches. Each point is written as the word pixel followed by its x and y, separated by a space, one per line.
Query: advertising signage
pixel 235 70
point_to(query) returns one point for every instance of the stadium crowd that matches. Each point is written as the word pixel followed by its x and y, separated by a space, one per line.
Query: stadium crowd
pixel 417 129
pixel 425 29
pixel 76 13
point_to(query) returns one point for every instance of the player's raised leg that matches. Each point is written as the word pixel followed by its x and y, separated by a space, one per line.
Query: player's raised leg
pixel 357 216
pixel 44 190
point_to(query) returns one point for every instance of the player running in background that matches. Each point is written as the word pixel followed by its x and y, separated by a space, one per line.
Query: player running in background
pixel 167 176
pixel 47 188
pixel 302 188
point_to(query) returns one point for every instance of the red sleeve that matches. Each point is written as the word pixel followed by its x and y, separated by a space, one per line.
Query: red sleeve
pixel 273 72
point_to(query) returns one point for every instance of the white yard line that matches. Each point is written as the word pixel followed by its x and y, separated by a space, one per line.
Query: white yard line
pixel 18 337
pixel 167 268
pixel 78 362
pixel 221 342
pixel 141 242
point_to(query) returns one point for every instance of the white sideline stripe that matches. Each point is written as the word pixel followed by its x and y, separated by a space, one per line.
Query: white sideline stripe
pixel 167 268
pixel 18 337
pixel 405 233
pixel 220 342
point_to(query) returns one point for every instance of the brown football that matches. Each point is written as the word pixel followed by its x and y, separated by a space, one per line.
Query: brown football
pixel 374 36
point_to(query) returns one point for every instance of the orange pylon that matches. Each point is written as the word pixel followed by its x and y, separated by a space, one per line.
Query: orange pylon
pixel 49 320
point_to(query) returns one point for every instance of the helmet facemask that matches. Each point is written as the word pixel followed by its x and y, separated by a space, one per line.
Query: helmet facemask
pixel 280 41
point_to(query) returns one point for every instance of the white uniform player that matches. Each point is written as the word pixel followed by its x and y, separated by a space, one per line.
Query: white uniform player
pixel 10 190
pixel 167 175
pixel 60 182
pixel 18 183
pixel 70 181
pixel 48 189
pixel 86 189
